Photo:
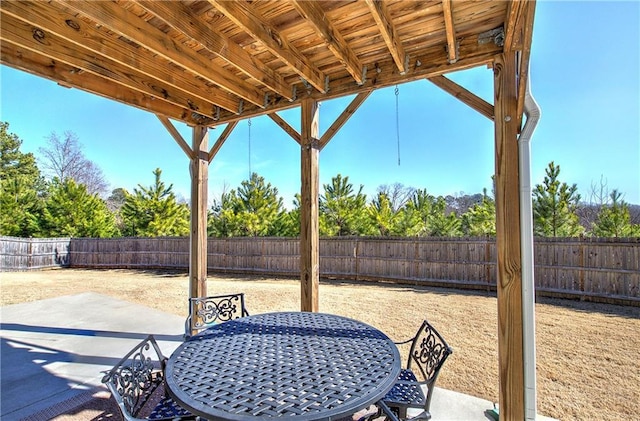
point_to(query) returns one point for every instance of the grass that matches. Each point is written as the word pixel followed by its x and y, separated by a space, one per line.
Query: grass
pixel 587 353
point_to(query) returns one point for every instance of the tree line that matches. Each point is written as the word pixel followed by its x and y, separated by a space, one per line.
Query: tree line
pixel 66 200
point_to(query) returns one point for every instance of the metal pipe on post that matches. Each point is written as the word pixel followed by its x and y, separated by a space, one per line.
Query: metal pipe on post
pixel 532 112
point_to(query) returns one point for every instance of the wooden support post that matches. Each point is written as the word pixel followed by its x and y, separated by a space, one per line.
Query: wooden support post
pixel 509 280
pixel 198 237
pixel 309 237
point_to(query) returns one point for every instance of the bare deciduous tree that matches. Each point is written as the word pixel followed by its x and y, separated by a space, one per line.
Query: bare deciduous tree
pixel 63 158
pixel 397 193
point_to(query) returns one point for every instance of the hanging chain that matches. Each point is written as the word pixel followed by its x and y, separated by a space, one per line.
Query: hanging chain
pixel 249 125
pixel 397 92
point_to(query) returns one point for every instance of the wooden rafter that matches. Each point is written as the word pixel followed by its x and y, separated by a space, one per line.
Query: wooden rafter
pixel 148 36
pixel 469 98
pixel 285 126
pixel 221 139
pixel 184 20
pixel 386 74
pixel 246 18
pixel 389 33
pixel 450 30
pixel 194 61
pixel 343 118
pixel 29 61
pixel 122 60
pixel 312 12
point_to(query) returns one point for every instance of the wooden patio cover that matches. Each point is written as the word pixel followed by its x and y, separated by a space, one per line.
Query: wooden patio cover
pixel 209 63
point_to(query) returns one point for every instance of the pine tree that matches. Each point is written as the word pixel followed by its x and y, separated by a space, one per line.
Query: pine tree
pixel 254 209
pixel 614 220
pixel 288 222
pixel 554 206
pixel 70 211
pixel 382 215
pixel 154 211
pixel 480 219
pixel 21 188
pixel 343 211
pixel 21 208
pixel 425 215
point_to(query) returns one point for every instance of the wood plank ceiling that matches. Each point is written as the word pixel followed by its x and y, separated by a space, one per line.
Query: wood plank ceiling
pixel 217 61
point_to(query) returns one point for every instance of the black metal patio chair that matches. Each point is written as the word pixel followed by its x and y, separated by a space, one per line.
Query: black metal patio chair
pixel 214 309
pixel 416 382
pixel 137 383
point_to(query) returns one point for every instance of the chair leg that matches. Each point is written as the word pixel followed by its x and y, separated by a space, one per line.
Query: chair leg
pixel 388 412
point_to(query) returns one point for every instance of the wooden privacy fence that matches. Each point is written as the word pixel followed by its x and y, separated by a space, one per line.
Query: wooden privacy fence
pixel 595 268
pixel 33 253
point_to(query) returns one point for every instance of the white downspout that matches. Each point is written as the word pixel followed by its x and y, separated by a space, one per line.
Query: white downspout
pixel 532 112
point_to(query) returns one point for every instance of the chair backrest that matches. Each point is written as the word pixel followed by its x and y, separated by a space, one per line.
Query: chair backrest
pixel 213 309
pixel 428 353
pixel 135 378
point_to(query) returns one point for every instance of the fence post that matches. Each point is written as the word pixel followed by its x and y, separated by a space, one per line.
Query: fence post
pixel 487 257
pixel 29 253
pixel 356 252
pixel 581 269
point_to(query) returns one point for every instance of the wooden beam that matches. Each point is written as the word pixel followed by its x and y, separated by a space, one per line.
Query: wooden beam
pixel 19 33
pixel 39 65
pixel 243 15
pixel 184 20
pixel 198 234
pixel 128 25
pixel 472 100
pixel 285 126
pixel 508 228
pixel 514 22
pixel 389 33
pixel 176 136
pixel 130 61
pixel 221 139
pixel 433 63
pixel 450 30
pixel 309 207
pixel 525 54
pixel 311 11
pixel 343 118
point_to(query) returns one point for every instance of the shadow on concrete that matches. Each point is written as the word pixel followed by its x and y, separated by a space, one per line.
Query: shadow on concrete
pixel 85 332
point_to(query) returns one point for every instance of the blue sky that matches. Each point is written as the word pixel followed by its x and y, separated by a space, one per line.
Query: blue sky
pixel 585 75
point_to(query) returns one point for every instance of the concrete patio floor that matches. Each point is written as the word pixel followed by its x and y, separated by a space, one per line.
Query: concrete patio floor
pixel 54 353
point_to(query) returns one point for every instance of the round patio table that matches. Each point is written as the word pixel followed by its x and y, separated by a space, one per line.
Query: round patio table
pixel 301 366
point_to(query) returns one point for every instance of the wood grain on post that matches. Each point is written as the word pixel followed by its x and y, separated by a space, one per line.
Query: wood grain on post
pixel 198 238
pixel 309 237
pixel 509 281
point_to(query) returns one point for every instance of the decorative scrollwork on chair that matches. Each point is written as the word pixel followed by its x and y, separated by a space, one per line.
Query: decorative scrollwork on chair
pixel 214 309
pixel 137 384
pixel 428 353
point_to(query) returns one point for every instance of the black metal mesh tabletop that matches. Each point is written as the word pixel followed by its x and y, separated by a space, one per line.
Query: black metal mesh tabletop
pixel 303 366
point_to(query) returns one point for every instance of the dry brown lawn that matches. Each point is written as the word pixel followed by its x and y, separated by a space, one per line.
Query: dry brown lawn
pixel 587 354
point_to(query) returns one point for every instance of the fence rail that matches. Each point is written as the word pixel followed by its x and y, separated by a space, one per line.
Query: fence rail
pixel 602 269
